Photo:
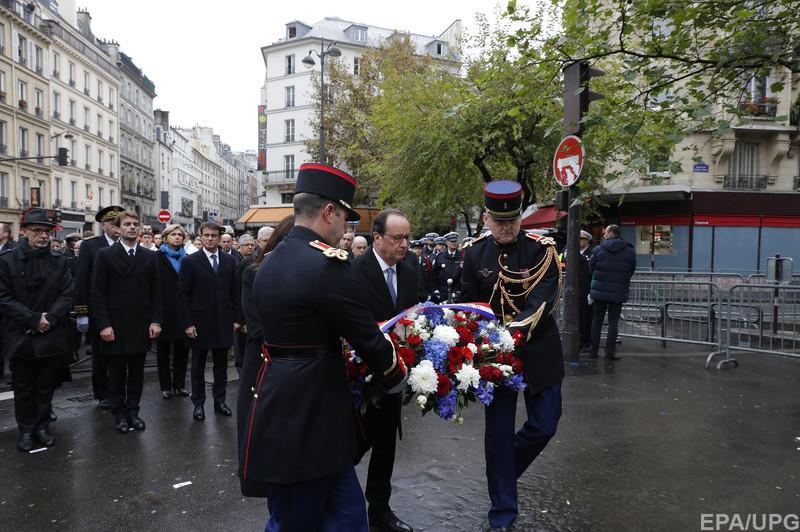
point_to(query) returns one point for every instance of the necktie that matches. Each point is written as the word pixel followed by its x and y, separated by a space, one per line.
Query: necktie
pixel 131 252
pixel 214 264
pixel 390 282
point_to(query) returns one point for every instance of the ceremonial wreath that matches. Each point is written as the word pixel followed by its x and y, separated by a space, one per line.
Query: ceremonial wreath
pixel 456 354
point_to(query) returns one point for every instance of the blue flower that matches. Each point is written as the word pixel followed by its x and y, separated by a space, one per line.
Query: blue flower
pixel 436 351
pixel 485 392
pixel 446 407
pixel 494 336
pixel 435 315
pixel 515 382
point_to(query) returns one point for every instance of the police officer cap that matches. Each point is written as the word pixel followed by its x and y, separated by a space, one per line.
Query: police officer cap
pixel 416 243
pixel 107 214
pixel 503 199
pixel 38 217
pixel 451 236
pixel 431 236
pixel 585 234
pixel 439 240
pixel 467 240
pixel 330 182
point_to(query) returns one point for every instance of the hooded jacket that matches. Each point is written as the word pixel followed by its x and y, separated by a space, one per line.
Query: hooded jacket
pixel 612 265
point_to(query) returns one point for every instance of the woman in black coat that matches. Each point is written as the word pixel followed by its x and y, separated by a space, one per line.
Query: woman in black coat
pixel 172 338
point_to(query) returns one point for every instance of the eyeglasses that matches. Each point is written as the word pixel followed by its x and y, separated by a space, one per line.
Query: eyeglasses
pixel 41 231
pixel 398 238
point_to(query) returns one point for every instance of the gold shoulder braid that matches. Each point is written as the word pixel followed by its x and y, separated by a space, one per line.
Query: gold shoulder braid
pixel 519 284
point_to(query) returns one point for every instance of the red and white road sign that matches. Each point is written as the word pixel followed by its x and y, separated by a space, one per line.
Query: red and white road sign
pixel 568 161
pixel 164 216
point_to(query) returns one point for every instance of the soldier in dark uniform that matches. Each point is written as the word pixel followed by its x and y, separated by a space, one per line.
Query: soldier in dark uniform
pixel 299 437
pixel 424 270
pixel 518 275
pixel 430 245
pixel 447 266
pixel 83 285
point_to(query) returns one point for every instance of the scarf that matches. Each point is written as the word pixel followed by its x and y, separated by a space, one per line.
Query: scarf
pixel 34 257
pixel 174 257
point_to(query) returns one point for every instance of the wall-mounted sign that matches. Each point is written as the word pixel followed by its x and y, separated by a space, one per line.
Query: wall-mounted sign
pixel 700 168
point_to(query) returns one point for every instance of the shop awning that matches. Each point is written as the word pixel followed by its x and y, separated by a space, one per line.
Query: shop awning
pixel 542 217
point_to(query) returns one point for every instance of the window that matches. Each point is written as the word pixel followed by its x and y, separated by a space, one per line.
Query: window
pixel 87 151
pixel 289 64
pixel 38 56
pixel 22 92
pixel 39 101
pixel 360 35
pixel 111 131
pixel 3 83
pixel 659 165
pixel 99 91
pixel 291 32
pixel 439 48
pixel 86 81
pixel 73 193
pixel 356 65
pixel 88 191
pixel 72 112
pixel 71 73
pixel 111 167
pixel 288 128
pixel 111 197
pixel 26 191
pixel 3 189
pixel 56 65
pixel 290 96
pixel 3 133
pixel 57 191
pixel 111 97
pixel 23 142
pixel 99 125
pixel 73 152
pixel 39 145
pixel 100 195
pixel 287 197
pixel 87 118
pixel 2 38
pixel 288 166
pixel 56 105
pixel 744 160
pixel 22 49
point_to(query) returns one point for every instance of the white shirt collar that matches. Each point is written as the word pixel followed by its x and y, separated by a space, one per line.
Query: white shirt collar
pixel 128 248
pixel 382 263
pixel 109 239
pixel 208 253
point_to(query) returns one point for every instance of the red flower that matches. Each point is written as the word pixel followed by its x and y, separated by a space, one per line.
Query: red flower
pixel 465 337
pixel 459 318
pixel 413 339
pixel 518 337
pixel 472 325
pixel 405 321
pixel 517 366
pixel 409 356
pixel 445 384
pixel 490 373
pixel 467 353
pixel 456 358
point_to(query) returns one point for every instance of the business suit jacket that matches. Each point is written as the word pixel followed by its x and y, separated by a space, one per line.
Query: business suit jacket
pixel 171 330
pixel 375 290
pixel 209 301
pixel 126 297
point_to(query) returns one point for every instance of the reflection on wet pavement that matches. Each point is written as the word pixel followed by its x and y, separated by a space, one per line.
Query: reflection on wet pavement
pixel 647 443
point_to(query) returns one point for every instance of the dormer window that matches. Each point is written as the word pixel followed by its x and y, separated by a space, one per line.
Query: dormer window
pixel 360 34
pixel 291 32
pixel 439 48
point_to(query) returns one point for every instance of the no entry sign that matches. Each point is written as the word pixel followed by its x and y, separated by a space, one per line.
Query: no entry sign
pixel 568 161
pixel 164 216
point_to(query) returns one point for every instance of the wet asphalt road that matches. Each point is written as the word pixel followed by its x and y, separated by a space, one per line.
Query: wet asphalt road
pixel 648 443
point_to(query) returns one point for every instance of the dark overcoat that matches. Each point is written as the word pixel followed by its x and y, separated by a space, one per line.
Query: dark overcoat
pixel 23 300
pixel 612 264
pixel 299 416
pixel 541 350
pixel 84 272
pixel 125 297
pixel 171 329
pixel 209 301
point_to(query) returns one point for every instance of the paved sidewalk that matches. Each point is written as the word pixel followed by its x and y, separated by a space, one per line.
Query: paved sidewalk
pixel 648 443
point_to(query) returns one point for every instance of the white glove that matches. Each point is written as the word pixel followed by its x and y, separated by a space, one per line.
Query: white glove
pixel 83 324
pixel 589 299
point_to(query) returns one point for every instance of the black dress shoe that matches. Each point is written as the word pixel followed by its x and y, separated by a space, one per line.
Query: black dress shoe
pixel 25 442
pixel 612 356
pixel 105 404
pixel 166 394
pixel 222 408
pixel 45 438
pixel 386 521
pixel 199 413
pixel 136 423
pixel 53 416
pixel 122 426
pixel 183 392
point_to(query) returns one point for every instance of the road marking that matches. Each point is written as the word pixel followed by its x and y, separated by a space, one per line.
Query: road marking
pixel 181 484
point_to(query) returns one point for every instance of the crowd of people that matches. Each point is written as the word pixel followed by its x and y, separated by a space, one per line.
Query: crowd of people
pixel 281 301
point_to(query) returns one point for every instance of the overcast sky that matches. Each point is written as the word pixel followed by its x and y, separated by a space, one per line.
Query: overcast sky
pixel 205 56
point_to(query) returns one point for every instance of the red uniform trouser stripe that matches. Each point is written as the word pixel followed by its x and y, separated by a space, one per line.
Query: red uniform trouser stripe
pixel 262 371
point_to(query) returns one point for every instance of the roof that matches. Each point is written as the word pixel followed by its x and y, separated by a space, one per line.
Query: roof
pixel 333 29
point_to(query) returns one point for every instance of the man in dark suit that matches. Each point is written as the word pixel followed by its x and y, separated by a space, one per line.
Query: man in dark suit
pixel 83 284
pixel 126 305
pixel 210 311
pixel 388 284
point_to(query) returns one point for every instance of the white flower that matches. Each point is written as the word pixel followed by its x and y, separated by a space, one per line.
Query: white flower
pixel 421 401
pixel 424 335
pixel 368 378
pixel 401 331
pixel 446 334
pixel 448 315
pixel 472 347
pixel 467 376
pixel 506 341
pixel 423 378
pixel 507 370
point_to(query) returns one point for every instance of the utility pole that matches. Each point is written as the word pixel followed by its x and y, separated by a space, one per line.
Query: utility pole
pixel 576 104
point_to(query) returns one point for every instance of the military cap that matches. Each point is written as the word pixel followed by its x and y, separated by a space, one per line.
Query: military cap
pixel 503 199
pixel 107 214
pixel 431 236
pixel 36 216
pixel 439 240
pixel 330 182
pixel 416 243
pixel 585 234
pixel 452 236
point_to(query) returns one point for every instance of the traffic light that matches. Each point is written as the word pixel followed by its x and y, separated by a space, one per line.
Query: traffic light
pixel 577 95
pixel 63 157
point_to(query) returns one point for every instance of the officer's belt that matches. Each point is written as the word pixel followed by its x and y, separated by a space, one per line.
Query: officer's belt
pixel 302 351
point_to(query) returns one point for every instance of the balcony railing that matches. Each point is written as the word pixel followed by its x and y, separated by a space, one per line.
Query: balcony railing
pixel 57 115
pixel 39 112
pixel 281 176
pixel 23 153
pixel 764 109
pixel 3 148
pixel 73 205
pixel 745 182
pixel 72 121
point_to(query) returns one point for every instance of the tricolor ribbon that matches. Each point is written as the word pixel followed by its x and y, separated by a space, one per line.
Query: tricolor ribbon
pixel 477 308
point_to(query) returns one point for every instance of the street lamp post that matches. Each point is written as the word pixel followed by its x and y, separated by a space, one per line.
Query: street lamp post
pixel 308 61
